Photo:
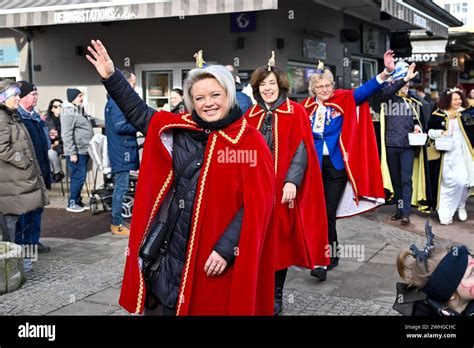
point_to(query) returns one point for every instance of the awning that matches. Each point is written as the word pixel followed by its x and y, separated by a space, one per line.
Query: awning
pixel 21 13
pixel 411 15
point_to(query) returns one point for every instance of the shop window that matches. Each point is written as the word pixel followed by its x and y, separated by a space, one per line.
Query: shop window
pixel 156 88
pixel 362 70
pixel 299 75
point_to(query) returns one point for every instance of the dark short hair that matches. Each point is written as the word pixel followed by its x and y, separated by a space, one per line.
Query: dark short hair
pixel 127 74
pixel 445 99
pixel 262 73
pixel 178 90
pixel 420 89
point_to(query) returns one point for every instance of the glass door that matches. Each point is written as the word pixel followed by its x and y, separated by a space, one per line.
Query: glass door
pixel 156 88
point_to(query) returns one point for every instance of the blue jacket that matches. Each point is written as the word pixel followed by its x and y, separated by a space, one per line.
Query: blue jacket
pixel 121 139
pixel 332 131
pixel 244 101
pixel 40 138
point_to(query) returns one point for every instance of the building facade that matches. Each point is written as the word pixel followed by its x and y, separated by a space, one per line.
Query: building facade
pixel 157 39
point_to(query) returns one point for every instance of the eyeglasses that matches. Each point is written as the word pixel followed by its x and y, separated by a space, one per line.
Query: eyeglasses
pixel 326 87
pixel 56 106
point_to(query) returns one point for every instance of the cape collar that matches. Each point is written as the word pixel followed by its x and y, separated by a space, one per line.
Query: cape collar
pixel 232 134
pixel 312 103
pixel 284 108
pixel 444 113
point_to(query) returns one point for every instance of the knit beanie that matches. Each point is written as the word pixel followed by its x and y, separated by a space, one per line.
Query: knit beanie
pixel 72 94
pixel 26 88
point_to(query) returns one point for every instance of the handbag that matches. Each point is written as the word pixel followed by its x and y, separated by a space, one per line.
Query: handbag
pixel 155 246
pixel 431 152
pixel 445 143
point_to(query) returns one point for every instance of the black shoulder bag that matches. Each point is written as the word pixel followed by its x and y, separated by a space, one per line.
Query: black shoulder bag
pixel 155 247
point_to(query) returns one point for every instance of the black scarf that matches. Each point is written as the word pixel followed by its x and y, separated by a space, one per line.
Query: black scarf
pixel 280 100
pixel 268 122
pixel 234 114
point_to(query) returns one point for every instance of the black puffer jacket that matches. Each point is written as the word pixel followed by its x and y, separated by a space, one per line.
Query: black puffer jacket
pixel 186 144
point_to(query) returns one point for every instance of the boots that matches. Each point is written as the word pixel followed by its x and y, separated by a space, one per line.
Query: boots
pixel 280 277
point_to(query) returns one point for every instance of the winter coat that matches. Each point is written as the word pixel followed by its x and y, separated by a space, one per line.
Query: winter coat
pixel 22 188
pixel 121 139
pixel 76 129
pixel 41 143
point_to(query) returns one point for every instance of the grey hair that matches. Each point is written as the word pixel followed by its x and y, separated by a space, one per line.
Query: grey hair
pixel 315 78
pixel 6 84
pixel 218 72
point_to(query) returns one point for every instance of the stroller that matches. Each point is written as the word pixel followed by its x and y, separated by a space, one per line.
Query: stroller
pixel 98 152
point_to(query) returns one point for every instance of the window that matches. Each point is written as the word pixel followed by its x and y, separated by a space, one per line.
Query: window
pixel 299 75
pixel 447 7
pixel 464 7
pixel 457 7
pixel 362 70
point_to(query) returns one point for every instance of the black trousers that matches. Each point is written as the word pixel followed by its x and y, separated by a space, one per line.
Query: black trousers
pixel 400 164
pixel 334 182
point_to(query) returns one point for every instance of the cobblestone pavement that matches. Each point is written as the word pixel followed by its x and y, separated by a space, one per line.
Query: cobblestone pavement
pixel 84 277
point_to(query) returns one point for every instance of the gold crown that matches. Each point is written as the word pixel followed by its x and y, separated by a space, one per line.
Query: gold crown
pixel 199 59
pixel 271 61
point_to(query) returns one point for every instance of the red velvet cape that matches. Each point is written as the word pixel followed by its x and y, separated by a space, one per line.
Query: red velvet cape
pixel 301 229
pixel 357 143
pixel 247 286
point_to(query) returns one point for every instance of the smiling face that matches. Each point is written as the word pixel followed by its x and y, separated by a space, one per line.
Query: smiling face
pixel 323 89
pixel 466 287
pixel 456 101
pixel 210 100
pixel 268 89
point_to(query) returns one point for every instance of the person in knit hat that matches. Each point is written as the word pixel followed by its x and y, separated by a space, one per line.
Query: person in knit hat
pixel 22 188
pixel 76 132
pixel 29 224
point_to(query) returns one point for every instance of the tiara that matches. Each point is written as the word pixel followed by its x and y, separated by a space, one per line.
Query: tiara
pixel 452 90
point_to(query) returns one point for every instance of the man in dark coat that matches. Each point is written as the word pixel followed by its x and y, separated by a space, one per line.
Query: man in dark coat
pixel 29 225
pixel 123 155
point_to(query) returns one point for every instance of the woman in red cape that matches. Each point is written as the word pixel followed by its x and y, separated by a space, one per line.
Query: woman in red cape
pixel 229 206
pixel 299 217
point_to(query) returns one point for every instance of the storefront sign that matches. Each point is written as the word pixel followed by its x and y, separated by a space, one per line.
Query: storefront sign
pixel 9 56
pixel 418 57
pixel 94 15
